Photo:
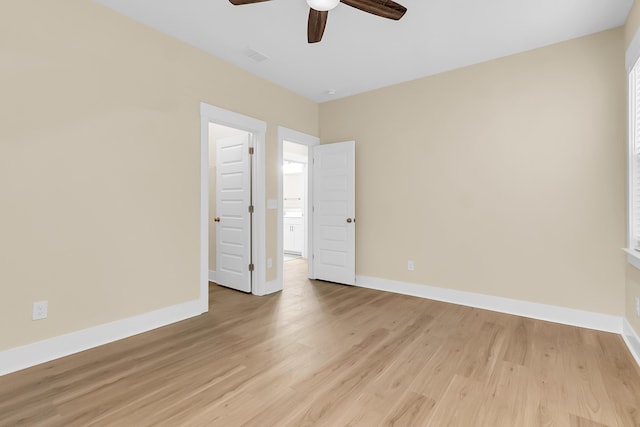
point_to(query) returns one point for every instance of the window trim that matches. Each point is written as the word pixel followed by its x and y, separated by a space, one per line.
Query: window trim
pixel 632 56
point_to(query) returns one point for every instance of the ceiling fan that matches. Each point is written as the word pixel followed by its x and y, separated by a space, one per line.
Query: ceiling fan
pixel 320 9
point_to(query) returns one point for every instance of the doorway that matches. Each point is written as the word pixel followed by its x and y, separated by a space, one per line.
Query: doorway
pixel 211 116
pixel 295 179
pixel 294 151
pixel 330 204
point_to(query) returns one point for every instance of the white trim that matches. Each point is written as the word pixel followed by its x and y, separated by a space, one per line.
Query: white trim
pixel 633 257
pixel 270 287
pixel 567 316
pixel 212 276
pixel 307 215
pixel 23 357
pixel 310 141
pixel 279 212
pixel 293 157
pixel 629 197
pixel 211 114
pixel 259 216
pixel 633 51
pixel 204 211
pixel 632 340
pixel 632 54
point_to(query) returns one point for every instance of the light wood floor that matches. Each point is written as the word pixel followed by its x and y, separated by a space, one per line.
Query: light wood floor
pixel 326 354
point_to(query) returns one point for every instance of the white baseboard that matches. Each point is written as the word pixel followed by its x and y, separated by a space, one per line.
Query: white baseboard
pixel 269 288
pixel 567 316
pixel 260 290
pixel 19 358
pixel 631 339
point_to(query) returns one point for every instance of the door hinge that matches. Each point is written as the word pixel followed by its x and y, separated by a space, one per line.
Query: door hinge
pixel 250 267
pixel 250 208
pixel 251 150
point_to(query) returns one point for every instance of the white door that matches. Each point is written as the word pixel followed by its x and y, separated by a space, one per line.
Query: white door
pixel 233 219
pixel 334 228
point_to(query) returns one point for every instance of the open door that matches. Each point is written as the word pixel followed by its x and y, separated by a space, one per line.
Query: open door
pixel 334 221
pixel 233 216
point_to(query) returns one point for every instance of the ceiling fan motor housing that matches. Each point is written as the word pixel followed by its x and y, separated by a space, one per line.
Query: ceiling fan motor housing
pixel 322 5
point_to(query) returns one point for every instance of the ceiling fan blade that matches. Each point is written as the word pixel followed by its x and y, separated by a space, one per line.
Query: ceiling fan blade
pixel 240 2
pixel 315 27
pixel 385 8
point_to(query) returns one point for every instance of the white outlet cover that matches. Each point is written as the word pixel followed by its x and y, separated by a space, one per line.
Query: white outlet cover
pixel 410 265
pixel 40 310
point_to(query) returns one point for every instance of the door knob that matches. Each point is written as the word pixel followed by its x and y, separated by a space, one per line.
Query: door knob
pixel 216 219
pixel 349 220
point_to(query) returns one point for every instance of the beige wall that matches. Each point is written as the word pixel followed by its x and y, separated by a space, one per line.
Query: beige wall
pixel 505 178
pixel 99 163
pixel 632 274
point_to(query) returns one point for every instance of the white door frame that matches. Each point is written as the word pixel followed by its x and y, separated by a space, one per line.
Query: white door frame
pixel 216 115
pixel 285 134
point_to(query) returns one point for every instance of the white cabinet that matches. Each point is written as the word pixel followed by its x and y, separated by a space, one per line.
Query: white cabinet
pixel 293 239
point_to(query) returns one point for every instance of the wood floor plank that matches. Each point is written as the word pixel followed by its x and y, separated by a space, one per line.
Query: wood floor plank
pixel 502 404
pixel 325 354
pixel 412 410
pixel 459 404
pixel 366 409
pixel 350 383
pixel 576 421
pixel 586 391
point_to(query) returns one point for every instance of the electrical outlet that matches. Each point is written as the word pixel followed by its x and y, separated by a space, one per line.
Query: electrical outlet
pixel 269 262
pixel 638 306
pixel 40 310
pixel 410 265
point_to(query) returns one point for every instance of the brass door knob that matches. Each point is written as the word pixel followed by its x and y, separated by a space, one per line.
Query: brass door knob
pixel 216 219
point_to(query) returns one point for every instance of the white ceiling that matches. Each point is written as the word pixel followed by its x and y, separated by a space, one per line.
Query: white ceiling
pixel 360 52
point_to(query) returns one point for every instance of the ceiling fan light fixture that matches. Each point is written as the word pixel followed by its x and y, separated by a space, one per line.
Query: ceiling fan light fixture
pixel 322 5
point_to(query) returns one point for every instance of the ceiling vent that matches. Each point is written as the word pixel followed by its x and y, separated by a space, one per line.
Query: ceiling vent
pixel 255 55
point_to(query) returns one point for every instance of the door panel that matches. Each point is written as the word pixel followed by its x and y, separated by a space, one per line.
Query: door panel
pixel 233 197
pixel 334 212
